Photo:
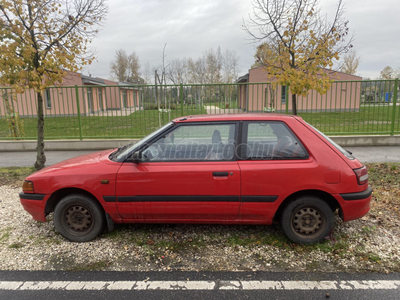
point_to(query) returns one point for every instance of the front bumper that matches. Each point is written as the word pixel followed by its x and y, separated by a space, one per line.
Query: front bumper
pixel 35 205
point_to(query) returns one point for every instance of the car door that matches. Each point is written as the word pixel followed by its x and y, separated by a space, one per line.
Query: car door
pixel 189 173
pixel 271 156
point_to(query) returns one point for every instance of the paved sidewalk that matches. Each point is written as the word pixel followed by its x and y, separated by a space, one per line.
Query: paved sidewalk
pixel 27 159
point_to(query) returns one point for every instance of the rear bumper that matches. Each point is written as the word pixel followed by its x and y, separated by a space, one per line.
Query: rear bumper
pixel 357 196
pixel 35 205
pixel 354 205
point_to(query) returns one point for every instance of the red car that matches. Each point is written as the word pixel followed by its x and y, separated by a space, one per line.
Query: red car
pixel 225 169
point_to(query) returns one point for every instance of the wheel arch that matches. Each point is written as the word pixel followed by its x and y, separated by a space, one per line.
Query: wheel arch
pixel 328 198
pixel 56 197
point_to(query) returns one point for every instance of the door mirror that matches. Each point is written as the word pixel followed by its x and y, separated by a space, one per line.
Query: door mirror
pixel 136 157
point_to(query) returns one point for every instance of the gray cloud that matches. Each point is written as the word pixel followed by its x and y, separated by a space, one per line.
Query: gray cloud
pixel 191 27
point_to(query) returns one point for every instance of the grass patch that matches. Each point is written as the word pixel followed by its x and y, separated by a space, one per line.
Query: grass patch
pixel 14 176
pixel 5 234
pixel 16 245
pixel 258 237
pixel 96 266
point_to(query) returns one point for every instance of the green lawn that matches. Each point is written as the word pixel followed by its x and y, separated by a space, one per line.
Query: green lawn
pixel 107 125
pixel 368 120
pixel 111 124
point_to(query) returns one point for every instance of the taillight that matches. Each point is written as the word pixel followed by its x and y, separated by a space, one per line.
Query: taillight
pixel 28 186
pixel 362 175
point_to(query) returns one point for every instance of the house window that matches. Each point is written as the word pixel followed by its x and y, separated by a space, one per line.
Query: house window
pixel 124 99
pixel 283 95
pixel 47 97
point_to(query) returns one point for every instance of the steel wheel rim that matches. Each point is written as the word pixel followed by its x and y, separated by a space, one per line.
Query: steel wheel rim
pixel 308 222
pixel 78 219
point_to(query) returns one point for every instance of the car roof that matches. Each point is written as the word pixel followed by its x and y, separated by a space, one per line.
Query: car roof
pixel 235 117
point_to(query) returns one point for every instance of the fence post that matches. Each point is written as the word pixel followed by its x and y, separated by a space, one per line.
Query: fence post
pixel 181 97
pixel 79 112
pixel 396 86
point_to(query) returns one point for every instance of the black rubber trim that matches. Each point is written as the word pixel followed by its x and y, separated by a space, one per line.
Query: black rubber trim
pixel 358 196
pixel 26 196
pixel 178 198
pixel 220 174
pixel 110 198
pixel 268 199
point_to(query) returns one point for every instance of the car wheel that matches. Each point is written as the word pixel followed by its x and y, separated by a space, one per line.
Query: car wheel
pixel 78 218
pixel 307 220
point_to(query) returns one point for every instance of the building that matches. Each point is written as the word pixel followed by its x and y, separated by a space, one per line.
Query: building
pixel 78 94
pixel 260 95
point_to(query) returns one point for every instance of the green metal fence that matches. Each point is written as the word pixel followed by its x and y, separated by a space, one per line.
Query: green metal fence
pixel 99 111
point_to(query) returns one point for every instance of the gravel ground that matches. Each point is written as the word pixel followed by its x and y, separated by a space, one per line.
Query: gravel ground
pixel 368 244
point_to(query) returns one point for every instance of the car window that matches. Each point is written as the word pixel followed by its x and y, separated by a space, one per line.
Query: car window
pixel 122 153
pixel 271 140
pixel 194 142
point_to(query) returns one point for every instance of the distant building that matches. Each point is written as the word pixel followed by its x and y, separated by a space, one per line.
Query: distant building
pixel 260 95
pixel 65 100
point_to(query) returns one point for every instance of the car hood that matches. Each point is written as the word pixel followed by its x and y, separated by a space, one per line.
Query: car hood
pixel 78 162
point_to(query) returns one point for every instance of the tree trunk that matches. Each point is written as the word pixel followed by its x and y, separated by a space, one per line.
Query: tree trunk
pixel 294 104
pixel 40 158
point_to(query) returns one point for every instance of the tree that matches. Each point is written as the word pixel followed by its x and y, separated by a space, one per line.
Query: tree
pixel 230 66
pixel 387 73
pixel 298 44
pixel 396 73
pixel 178 71
pixel 126 67
pixel 197 70
pixel 213 60
pixel 39 40
pixel 350 63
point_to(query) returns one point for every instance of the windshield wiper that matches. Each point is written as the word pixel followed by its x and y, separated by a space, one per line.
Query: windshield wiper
pixel 118 151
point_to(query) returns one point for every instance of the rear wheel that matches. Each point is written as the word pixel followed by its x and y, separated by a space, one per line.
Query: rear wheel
pixel 307 220
pixel 78 218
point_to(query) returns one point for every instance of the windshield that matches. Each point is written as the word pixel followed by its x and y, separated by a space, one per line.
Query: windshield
pixel 344 152
pixel 123 152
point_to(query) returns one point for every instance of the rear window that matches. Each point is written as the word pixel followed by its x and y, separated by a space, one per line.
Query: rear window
pixel 329 140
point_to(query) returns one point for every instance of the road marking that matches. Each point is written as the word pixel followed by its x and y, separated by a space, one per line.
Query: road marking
pixel 200 285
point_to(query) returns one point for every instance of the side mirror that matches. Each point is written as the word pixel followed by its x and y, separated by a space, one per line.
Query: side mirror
pixel 136 157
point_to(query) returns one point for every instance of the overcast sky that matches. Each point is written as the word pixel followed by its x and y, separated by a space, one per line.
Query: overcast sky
pixel 190 27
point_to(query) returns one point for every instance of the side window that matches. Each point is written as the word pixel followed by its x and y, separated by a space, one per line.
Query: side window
pixel 271 140
pixel 194 143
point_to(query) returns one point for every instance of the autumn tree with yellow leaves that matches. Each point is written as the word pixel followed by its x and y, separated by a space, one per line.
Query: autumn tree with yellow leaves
pixel 40 40
pixel 296 44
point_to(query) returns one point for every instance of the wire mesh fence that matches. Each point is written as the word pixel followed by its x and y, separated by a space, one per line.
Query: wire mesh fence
pixel 133 111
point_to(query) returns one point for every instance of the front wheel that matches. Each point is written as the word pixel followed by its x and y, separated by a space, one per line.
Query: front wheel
pixel 78 218
pixel 307 220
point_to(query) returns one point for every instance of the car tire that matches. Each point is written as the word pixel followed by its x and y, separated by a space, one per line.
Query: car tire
pixel 79 218
pixel 307 220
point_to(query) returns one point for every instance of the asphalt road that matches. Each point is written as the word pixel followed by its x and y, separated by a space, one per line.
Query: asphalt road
pixel 27 159
pixel 197 285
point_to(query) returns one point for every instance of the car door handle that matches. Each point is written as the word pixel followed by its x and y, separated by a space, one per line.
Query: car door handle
pixel 220 174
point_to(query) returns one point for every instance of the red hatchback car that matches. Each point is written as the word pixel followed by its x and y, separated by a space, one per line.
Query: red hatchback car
pixel 226 169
